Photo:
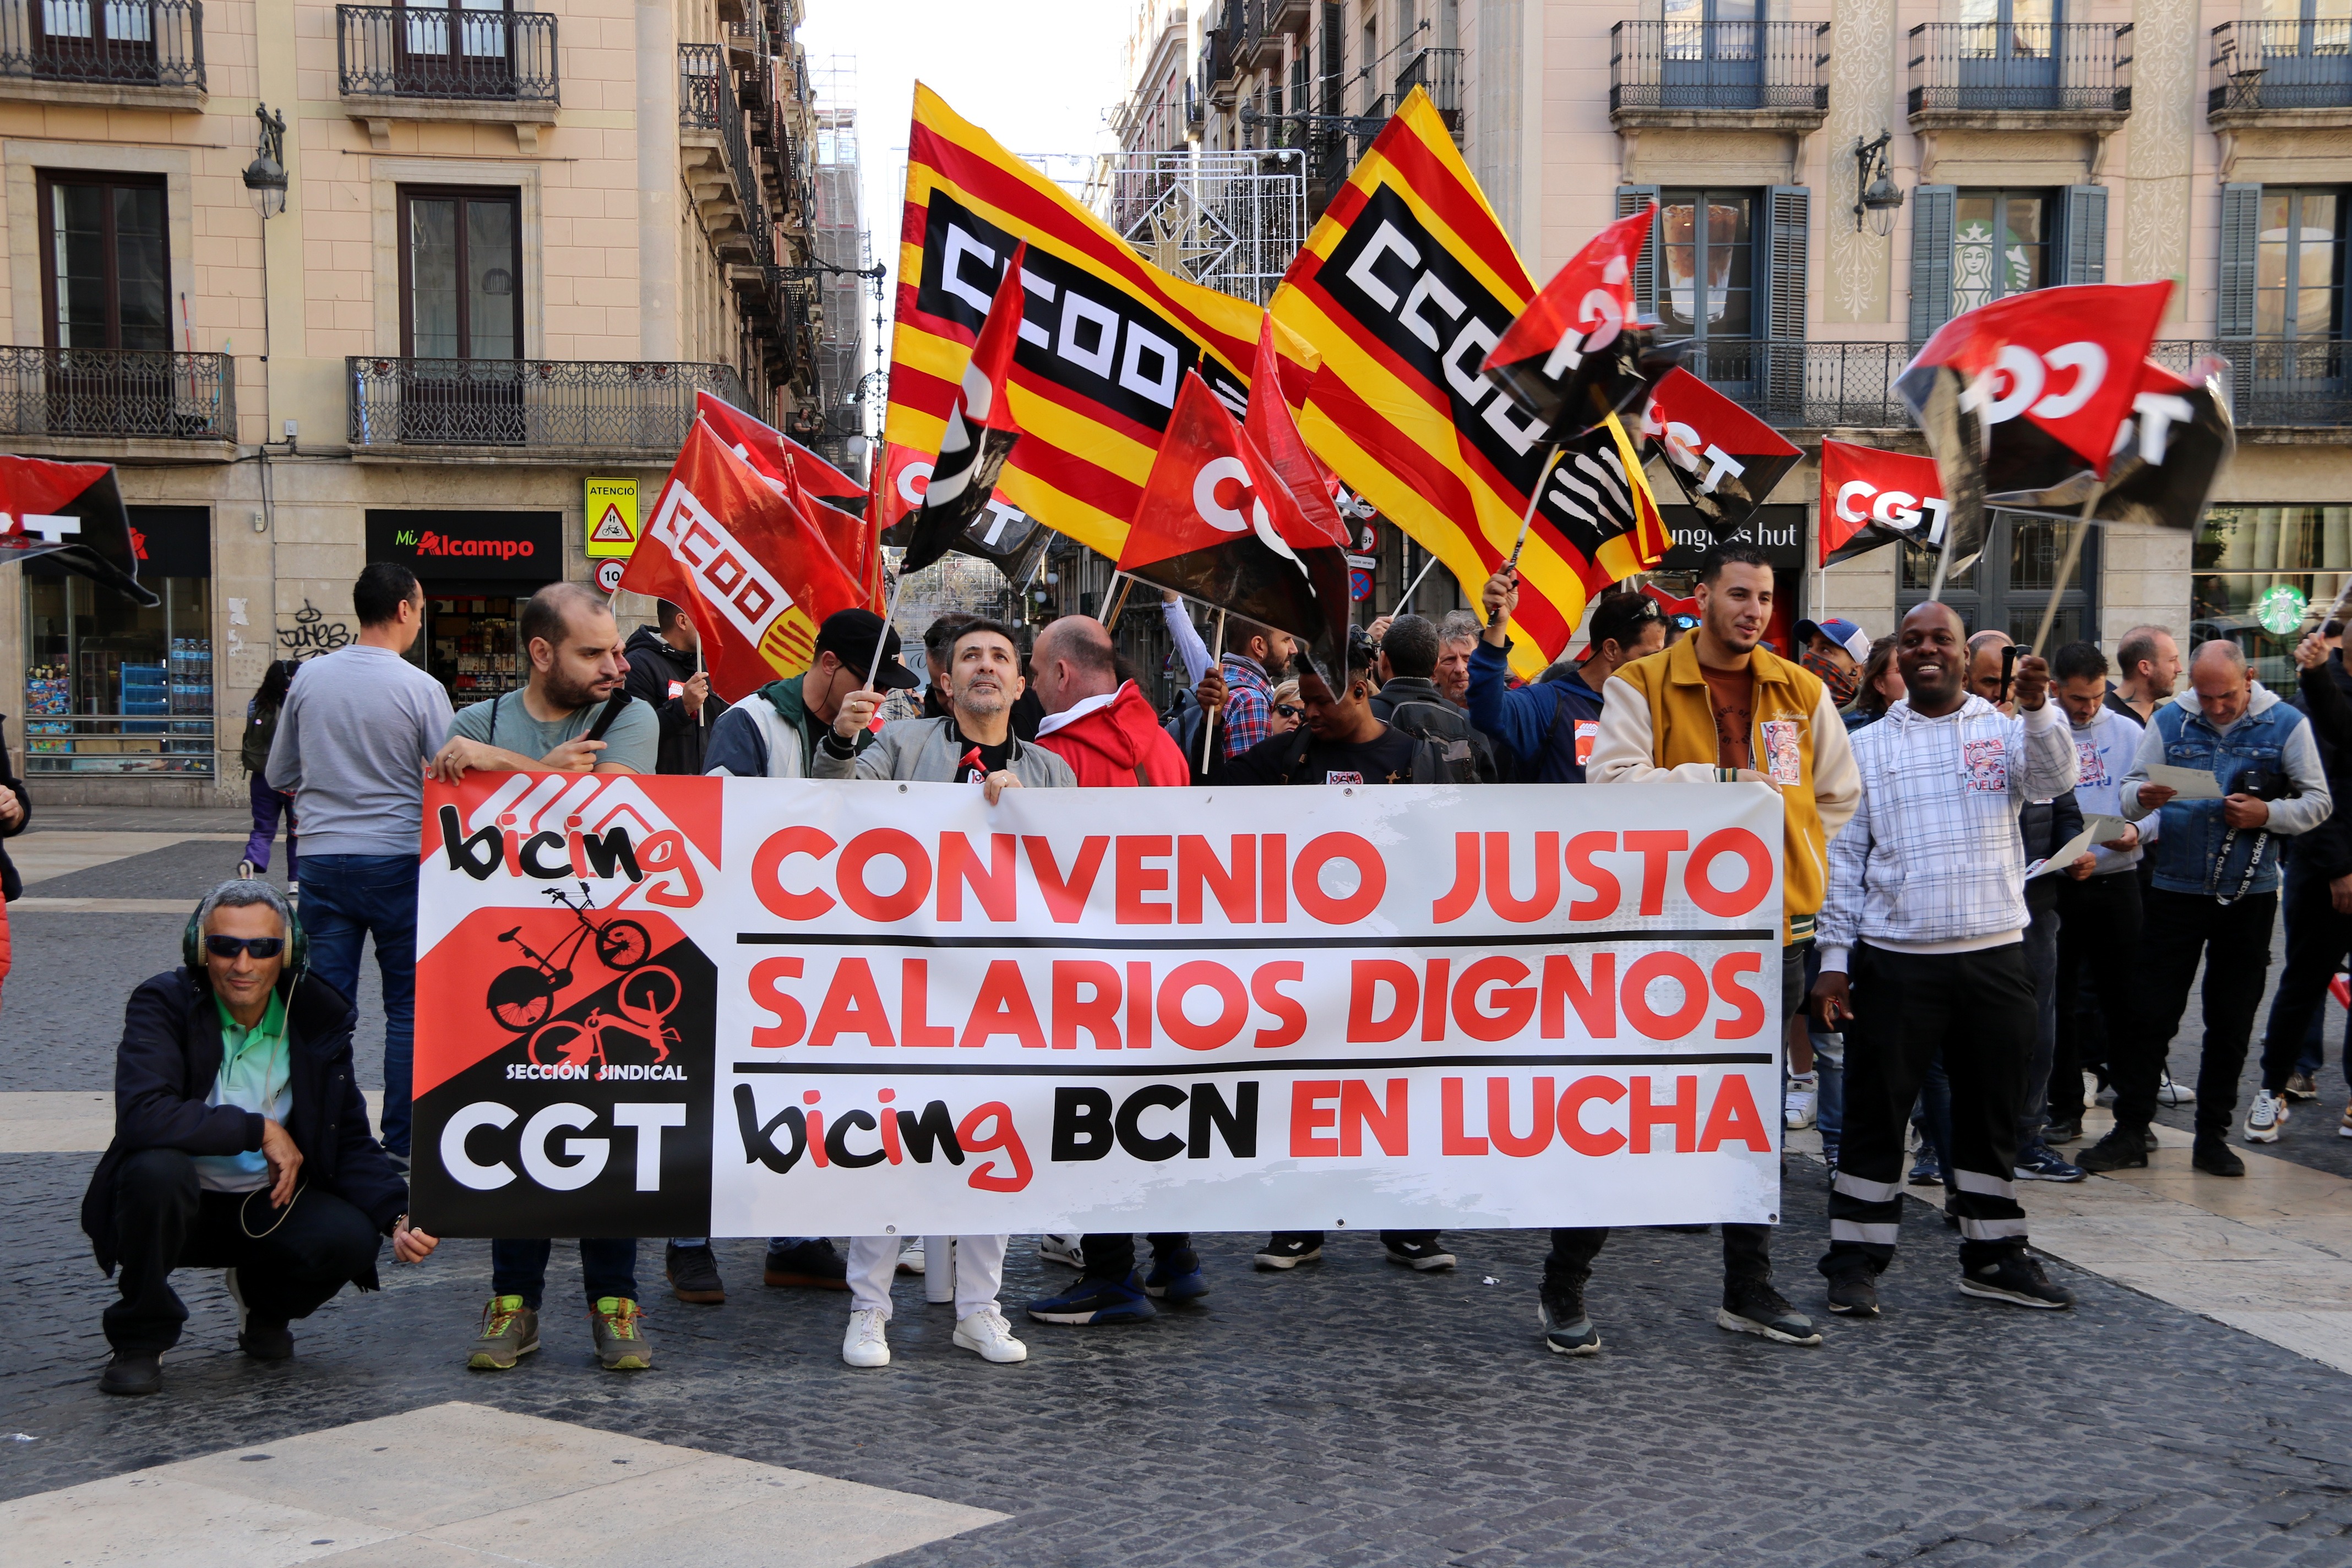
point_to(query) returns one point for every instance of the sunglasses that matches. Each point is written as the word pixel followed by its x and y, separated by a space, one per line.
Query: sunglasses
pixel 1289 709
pixel 230 946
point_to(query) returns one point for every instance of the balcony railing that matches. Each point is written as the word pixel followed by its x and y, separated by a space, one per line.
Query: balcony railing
pixel 117 394
pixel 563 405
pixel 1439 70
pixel 120 43
pixel 707 102
pixel 2271 66
pixel 2023 67
pixel 2277 381
pixel 399 51
pixel 1729 67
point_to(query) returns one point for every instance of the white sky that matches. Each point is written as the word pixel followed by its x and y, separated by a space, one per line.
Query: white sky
pixel 1041 76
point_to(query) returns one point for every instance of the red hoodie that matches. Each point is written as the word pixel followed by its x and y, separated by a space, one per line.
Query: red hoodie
pixel 1111 738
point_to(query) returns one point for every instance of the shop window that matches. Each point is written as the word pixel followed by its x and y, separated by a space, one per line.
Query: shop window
pixel 2009 585
pixel 112 688
pixel 2256 568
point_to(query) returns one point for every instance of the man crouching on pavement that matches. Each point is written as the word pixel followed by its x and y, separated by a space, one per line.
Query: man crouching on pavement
pixel 241 1143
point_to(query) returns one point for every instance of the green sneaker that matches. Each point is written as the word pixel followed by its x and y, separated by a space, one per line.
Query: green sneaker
pixel 620 1346
pixel 509 1332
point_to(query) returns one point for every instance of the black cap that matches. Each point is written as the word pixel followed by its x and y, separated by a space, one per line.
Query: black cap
pixel 848 635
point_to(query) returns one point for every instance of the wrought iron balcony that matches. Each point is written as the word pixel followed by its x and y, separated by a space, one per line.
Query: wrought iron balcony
pixel 2034 73
pixel 725 182
pixel 86 394
pixel 154 44
pixel 2276 382
pixel 402 51
pixel 2273 70
pixel 1439 70
pixel 1678 73
pixel 573 407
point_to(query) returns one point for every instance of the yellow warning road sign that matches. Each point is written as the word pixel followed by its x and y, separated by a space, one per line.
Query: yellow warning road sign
pixel 612 514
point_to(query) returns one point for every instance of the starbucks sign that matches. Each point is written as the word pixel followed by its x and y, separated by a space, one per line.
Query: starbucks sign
pixel 2280 610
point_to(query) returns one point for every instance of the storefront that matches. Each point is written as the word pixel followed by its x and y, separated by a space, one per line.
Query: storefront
pixel 1777 530
pixel 114 689
pixel 476 568
pixel 2254 571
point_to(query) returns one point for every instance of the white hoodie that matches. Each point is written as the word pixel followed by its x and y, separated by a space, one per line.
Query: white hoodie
pixel 2104 749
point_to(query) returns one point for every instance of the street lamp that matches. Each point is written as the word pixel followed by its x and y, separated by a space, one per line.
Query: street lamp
pixel 1877 196
pixel 265 177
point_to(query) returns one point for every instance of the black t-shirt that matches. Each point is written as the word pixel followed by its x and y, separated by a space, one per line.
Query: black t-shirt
pixel 1387 759
pixel 975 761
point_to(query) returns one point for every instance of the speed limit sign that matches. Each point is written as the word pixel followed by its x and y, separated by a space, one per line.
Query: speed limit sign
pixel 608 575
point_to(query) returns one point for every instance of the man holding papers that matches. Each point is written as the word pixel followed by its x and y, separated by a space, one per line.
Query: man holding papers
pixel 2243 773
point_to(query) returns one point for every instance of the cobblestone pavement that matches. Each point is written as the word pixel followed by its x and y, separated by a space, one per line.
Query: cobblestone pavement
pixel 1383 1417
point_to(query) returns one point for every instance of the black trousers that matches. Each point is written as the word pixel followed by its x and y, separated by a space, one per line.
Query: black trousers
pixel 1747 1249
pixel 2098 939
pixel 165 1220
pixel 1113 1257
pixel 2234 940
pixel 1387 1237
pixel 1978 1010
pixel 2318 938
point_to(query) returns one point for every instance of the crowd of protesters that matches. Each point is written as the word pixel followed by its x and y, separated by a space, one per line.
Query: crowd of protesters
pixel 1994 901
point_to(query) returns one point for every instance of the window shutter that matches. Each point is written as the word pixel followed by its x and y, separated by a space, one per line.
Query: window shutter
pixel 1632 199
pixel 1931 258
pixel 2085 236
pixel 1787 220
pixel 2241 229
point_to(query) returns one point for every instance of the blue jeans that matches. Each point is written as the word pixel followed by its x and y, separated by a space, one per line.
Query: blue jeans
pixel 1829 1064
pixel 346 898
pixel 2042 962
pixel 607 1267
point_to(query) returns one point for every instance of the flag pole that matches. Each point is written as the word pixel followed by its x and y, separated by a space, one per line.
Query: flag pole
pixel 2065 571
pixel 1410 588
pixel 1125 589
pixel 889 609
pixel 1209 722
pixel 1534 499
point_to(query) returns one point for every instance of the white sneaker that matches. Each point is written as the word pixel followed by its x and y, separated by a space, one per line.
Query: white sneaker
pixel 235 1295
pixel 1798 1111
pixel 864 1344
pixel 910 1257
pixel 2263 1120
pixel 2174 1094
pixel 1056 1246
pixel 989 1336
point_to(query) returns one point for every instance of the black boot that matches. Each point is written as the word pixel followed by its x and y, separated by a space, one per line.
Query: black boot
pixel 132 1372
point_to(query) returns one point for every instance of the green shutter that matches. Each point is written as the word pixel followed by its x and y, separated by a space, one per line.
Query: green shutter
pixel 1632 199
pixel 2240 238
pixel 1788 223
pixel 2085 236
pixel 1931 258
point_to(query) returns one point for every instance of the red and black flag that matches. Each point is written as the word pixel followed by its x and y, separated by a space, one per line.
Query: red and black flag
pixel 770 451
pixel 1724 458
pixel 1218 524
pixel 71 513
pixel 2168 455
pixel 1574 355
pixel 1271 424
pixel 980 431
pixel 1871 498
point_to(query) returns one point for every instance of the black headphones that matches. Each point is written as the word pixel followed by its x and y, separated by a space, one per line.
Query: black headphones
pixel 297 944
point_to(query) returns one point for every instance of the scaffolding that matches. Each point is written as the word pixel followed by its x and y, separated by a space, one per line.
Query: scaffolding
pixel 837 238
pixel 1230 221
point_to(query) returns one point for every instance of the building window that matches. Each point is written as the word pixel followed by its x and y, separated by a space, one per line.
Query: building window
pixel 2000 245
pixel 105 263
pixel 2255 565
pixel 461 274
pixel 1706 256
pixel 2299 274
pixel 2009 585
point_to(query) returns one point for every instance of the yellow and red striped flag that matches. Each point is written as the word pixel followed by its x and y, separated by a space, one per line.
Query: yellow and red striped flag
pixel 1106 337
pixel 1405 285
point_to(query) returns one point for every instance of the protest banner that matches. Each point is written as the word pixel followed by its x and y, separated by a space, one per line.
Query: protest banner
pixel 660 1007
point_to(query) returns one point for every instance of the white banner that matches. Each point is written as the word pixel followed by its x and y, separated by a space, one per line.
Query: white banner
pixel 745 1008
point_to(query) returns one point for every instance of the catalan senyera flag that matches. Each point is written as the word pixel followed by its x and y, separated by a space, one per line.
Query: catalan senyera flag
pixel 1405 285
pixel 1106 337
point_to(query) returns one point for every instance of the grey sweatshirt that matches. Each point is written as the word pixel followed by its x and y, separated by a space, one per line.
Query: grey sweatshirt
pixel 357 726
pixel 2299 757
pixel 924 750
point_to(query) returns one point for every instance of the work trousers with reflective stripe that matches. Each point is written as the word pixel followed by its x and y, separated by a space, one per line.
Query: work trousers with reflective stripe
pixel 1977 1008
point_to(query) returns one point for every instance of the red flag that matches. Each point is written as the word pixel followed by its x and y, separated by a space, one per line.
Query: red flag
pixel 1724 458
pixel 1275 429
pixel 73 513
pixel 1218 524
pixel 1570 357
pixel 769 450
pixel 751 569
pixel 1871 498
pixel 980 432
pixel 2168 455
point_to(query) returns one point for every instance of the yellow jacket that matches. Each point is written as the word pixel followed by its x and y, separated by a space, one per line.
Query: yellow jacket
pixel 1658 721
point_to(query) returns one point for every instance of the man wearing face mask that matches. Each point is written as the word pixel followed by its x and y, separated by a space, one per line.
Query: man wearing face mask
pixel 1836 651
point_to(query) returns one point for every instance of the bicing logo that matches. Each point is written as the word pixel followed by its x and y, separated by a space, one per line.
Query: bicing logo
pixel 581 828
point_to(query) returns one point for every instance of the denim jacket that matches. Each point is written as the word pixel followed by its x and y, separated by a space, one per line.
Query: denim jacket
pixel 2197 852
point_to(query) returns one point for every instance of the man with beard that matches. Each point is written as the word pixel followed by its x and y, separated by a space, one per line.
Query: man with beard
pixel 573 716
pixel 1257 659
pixel 2148 661
pixel 1720 706
pixel 973 743
pixel 1923 951
pixel 666 674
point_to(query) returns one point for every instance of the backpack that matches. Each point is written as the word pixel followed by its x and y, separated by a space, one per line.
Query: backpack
pixel 260 730
pixel 1463 753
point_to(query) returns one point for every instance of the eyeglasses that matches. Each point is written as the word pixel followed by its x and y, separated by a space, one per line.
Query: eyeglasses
pixel 230 946
pixel 1289 709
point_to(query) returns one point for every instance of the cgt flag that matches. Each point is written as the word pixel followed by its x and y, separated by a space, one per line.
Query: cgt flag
pixel 1405 285
pixel 750 568
pixel 1105 345
pixel 1871 498
pixel 770 450
pixel 1574 355
pixel 1218 524
pixel 1002 534
pixel 71 513
pixel 2168 454
pixel 979 434
pixel 1724 458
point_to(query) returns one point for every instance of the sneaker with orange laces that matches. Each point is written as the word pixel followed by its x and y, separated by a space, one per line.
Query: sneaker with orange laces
pixel 620 1342
pixel 509 1332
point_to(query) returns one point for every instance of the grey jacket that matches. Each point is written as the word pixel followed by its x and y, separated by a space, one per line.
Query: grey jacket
pixel 924 750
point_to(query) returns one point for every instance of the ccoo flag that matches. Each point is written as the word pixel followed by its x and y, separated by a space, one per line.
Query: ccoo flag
pixel 1406 284
pixel 750 568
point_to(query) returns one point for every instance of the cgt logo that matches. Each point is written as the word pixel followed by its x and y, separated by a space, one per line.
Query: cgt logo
pixel 582 1159
pixel 898 1137
pixel 1860 502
